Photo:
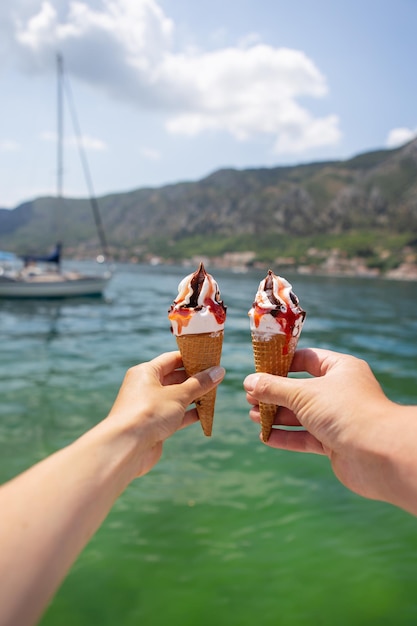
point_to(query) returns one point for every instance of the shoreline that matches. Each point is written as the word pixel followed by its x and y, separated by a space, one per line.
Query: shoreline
pixel 333 266
pixel 332 263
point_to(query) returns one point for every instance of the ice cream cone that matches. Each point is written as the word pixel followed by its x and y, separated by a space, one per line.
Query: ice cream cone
pixel 200 351
pixel 273 354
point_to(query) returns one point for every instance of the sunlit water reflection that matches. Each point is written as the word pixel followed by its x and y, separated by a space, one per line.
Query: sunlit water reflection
pixel 223 530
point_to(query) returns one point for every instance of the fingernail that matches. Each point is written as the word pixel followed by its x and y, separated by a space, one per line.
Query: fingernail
pixel 250 382
pixel 216 373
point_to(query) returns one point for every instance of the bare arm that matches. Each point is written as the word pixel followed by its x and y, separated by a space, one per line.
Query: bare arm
pixel 370 441
pixel 49 512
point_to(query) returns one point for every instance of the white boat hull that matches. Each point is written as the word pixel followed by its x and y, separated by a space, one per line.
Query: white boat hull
pixel 65 288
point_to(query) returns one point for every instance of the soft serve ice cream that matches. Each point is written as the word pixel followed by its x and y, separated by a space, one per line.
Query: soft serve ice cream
pixel 276 320
pixel 276 309
pixel 197 308
pixel 197 318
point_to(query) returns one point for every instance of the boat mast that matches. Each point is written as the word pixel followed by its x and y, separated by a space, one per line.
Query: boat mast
pixel 65 90
pixel 60 125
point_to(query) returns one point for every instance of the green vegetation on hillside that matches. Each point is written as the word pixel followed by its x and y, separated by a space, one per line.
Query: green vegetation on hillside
pixel 379 250
pixel 365 207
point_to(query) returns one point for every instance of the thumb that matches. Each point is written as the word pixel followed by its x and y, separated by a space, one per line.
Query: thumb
pixel 198 385
pixel 271 389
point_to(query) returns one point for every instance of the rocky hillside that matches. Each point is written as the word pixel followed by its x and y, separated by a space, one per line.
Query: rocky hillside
pixel 364 206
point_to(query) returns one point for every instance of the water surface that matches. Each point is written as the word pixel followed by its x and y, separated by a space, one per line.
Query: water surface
pixel 223 531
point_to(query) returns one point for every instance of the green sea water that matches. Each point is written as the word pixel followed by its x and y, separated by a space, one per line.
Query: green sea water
pixel 223 531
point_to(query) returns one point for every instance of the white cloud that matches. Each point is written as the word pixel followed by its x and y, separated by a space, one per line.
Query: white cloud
pixel 399 136
pixel 253 91
pixel 125 48
pixel 307 134
pixel 151 154
pixel 88 142
pixel 39 27
pixel 48 135
pixel 9 145
pixel 249 39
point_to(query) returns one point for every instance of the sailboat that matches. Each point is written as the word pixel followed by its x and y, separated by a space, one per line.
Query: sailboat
pixel 41 276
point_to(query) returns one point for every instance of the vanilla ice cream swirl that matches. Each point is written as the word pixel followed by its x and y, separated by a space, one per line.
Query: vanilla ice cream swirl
pixel 276 308
pixel 198 307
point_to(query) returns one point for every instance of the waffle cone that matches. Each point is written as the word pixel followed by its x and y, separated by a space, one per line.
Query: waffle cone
pixel 198 353
pixel 273 355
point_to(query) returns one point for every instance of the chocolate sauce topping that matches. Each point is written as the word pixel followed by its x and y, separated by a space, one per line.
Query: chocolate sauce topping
pixel 269 290
pixel 196 283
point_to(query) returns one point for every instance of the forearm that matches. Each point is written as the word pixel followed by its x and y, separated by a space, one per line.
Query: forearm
pixel 380 461
pixel 49 513
pixel 399 450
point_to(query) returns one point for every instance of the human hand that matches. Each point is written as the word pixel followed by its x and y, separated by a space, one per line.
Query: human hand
pixel 341 409
pixel 153 399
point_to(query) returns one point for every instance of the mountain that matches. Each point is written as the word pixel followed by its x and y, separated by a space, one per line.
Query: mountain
pixel 365 206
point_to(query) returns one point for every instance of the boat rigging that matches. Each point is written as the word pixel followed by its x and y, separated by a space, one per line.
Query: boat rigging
pixel 41 275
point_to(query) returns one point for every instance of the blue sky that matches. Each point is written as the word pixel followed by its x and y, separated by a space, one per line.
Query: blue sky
pixel 171 90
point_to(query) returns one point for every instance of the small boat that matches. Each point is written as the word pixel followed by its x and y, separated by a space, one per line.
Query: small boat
pixel 41 276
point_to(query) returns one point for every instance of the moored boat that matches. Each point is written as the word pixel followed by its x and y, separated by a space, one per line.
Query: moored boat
pixel 41 276
pixel 50 285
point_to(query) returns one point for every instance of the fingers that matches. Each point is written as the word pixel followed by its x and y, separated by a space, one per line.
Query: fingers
pixel 168 368
pixel 174 378
pixel 284 391
pixel 200 384
pixel 315 361
pixel 272 389
pixel 190 417
pixel 283 416
pixel 312 360
pixel 295 441
pixel 167 362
